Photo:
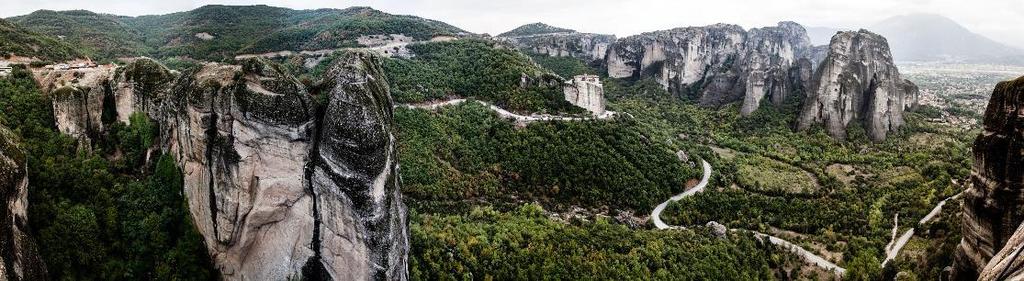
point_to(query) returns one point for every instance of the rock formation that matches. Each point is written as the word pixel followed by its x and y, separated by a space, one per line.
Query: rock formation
pixel 544 39
pixel 717 64
pixel 77 99
pixel 284 182
pixel 854 78
pixel 994 202
pixel 19 259
pixel 858 81
pixel 585 91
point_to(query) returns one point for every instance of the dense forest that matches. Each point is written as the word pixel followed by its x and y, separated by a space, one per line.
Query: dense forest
pixel 20 41
pixel 479 69
pixel 110 211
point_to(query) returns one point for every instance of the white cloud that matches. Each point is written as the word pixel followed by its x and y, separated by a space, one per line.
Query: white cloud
pixel 998 19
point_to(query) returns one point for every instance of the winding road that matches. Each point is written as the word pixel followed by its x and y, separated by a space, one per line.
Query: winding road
pixel 505 113
pixel 893 249
pixel 808 256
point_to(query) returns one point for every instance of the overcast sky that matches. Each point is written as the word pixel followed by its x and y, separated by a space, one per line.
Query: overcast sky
pixel 998 19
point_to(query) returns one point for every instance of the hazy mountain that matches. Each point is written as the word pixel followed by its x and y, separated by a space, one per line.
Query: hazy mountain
pixel 927 37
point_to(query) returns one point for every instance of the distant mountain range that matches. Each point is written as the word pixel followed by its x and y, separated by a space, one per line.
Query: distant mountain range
pixel 932 38
pixel 218 32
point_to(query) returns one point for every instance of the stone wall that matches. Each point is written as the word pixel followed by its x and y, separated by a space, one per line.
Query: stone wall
pixel 587 92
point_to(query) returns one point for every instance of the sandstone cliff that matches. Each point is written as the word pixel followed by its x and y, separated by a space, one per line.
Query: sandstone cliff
pixel 858 81
pixel 19 259
pixel 282 181
pixel 994 203
pixel 77 99
pixel 718 64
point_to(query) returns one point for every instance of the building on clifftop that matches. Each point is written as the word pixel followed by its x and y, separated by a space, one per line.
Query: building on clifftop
pixel 587 92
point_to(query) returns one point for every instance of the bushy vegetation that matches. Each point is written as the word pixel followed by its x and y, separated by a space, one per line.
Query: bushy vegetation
pixel 566 67
pixel 20 41
pixel 467 151
pixel 525 245
pixel 475 68
pixel 761 174
pixel 99 36
pixel 96 218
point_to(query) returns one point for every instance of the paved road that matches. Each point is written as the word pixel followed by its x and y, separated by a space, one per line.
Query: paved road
pixel 808 256
pixel 505 113
pixel 656 214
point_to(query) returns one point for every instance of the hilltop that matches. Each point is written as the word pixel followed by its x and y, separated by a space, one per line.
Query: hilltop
pixel 218 32
pixel 534 29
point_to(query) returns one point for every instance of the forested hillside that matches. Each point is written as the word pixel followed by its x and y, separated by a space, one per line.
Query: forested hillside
pixel 218 33
pixel 20 41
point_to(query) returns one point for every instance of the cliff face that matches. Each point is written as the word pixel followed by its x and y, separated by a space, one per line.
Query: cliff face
pixel 718 64
pixel 559 42
pixel 585 46
pixel 858 81
pixel 281 186
pixel 78 100
pixel 994 203
pixel 19 259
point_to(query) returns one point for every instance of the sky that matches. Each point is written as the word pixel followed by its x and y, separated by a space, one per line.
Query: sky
pixel 996 19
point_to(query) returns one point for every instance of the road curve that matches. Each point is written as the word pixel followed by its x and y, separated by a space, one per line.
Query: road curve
pixel 808 256
pixel 656 214
pixel 505 113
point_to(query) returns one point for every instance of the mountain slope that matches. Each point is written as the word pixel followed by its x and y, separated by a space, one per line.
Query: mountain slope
pixel 217 32
pixel 534 29
pixel 22 42
pixel 926 37
pixel 96 35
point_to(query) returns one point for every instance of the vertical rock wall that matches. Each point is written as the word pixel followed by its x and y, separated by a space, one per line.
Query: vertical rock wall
pixel 858 81
pixel 282 183
pixel 585 91
pixel 994 203
pixel 19 259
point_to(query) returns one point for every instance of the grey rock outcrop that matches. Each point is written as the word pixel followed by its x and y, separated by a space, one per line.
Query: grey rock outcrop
pixel 139 87
pixel 718 64
pixel 283 181
pixel 77 97
pixel 19 259
pixel 858 81
pixel 559 42
pixel 994 202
